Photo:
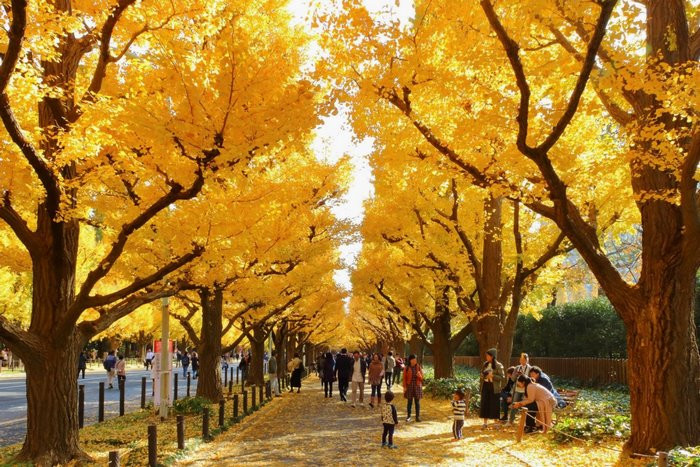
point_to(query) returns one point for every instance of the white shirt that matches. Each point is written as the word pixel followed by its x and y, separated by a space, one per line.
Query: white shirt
pixel 357 372
pixel 149 355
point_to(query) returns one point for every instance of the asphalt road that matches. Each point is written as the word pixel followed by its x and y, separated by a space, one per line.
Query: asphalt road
pixel 13 400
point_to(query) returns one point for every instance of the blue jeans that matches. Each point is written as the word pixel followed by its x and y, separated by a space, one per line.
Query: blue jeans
pixel 517 397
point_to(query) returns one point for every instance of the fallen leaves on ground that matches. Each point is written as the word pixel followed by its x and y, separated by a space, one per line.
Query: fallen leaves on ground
pixel 308 429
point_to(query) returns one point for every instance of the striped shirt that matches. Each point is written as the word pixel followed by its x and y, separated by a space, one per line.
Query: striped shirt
pixel 458 409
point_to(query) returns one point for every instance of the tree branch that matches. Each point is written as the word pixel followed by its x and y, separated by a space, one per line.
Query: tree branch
pixel 18 224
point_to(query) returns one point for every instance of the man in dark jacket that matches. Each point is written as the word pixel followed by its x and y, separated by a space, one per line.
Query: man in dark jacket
pixel 542 379
pixel 343 371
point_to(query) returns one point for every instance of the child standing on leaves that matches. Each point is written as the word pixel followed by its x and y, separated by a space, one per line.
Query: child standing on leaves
pixel 389 419
pixel 459 407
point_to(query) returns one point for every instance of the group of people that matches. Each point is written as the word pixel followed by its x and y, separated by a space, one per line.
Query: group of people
pixel 115 365
pixel 503 393
pixel 379 370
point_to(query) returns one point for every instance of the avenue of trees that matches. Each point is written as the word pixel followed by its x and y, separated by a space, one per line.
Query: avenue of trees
pixel 158 150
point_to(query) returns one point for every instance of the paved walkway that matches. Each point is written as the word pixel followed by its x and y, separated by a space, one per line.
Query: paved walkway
pixel 307 429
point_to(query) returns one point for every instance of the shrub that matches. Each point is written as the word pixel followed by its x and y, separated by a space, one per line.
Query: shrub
pixel 191 405
pixel 685 456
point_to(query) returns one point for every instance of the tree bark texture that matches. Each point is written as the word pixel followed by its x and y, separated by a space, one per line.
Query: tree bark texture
pixel 209 349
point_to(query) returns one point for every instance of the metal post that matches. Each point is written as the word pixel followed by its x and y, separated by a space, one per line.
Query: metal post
pixel 143 392
pixel 152 445
pixel 222 407
pixel 245 402
pixel 235 406
pixel 164 359
pixel 230 386
pixel 260 393
pixel 189 381
pixel 253 392
pixel 231 378
pixel 81 405
pixel 175 387
pixel 205 424
pixel 113 459
pixel 122 390
pixel 238 370
pixel 225 377
pixel 181 432
pixel 101 403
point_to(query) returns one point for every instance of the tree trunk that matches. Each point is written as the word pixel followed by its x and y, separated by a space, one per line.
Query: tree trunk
pixel 209 349
pixel 664 371
pixel 257 347
pixel 443 359
pixel 52 412
pixel 415 347
pixel 487 330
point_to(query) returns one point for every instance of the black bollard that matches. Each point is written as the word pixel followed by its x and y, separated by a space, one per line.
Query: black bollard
pixel 113 459
pixel 225 377
pixel 189 381
pixel 175 387
pixel 238 370
pixel 230 386
pixel 245 402
pixel 101 404
pixel 235 406
pixel 222 407
pixel 252 393
pixel 143 392
pixel 181 432
pixel 268 391
pixel 122 390
pixel 260 393
pixel 152 445
pixel 205 424
pixel 81 405
pixel 231 378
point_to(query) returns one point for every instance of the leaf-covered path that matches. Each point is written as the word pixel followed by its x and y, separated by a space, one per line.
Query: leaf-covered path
pixel 308 429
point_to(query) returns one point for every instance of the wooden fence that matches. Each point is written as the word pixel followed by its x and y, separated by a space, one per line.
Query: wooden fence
pixel 596 371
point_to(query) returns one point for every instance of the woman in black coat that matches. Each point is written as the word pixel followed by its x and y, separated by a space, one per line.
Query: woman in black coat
pixel 328 374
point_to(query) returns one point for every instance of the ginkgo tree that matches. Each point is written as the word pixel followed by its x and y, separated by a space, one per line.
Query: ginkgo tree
pixel 247 275
pixel 462 248
pixel 547 82
pixel 115 114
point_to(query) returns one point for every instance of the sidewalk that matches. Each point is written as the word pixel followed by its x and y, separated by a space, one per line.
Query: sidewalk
pixel 307 429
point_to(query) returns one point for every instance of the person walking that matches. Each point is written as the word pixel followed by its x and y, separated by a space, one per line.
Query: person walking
pixel 412 386
pixel 359 368
pixel 194 360
pixel 389 419
pixel 120 367
pixel 398 369
pixel 109 363
pixel 185 361
pixel 389 364
pixel 243 365
pixel 343 371
pixel 149 358
pixel 272 374
pixel 82 364
pixel 492 377
pixel 328 375
pixel 376 377
pixel 296 367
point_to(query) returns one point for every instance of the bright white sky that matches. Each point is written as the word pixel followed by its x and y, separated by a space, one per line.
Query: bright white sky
pixel 335 139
